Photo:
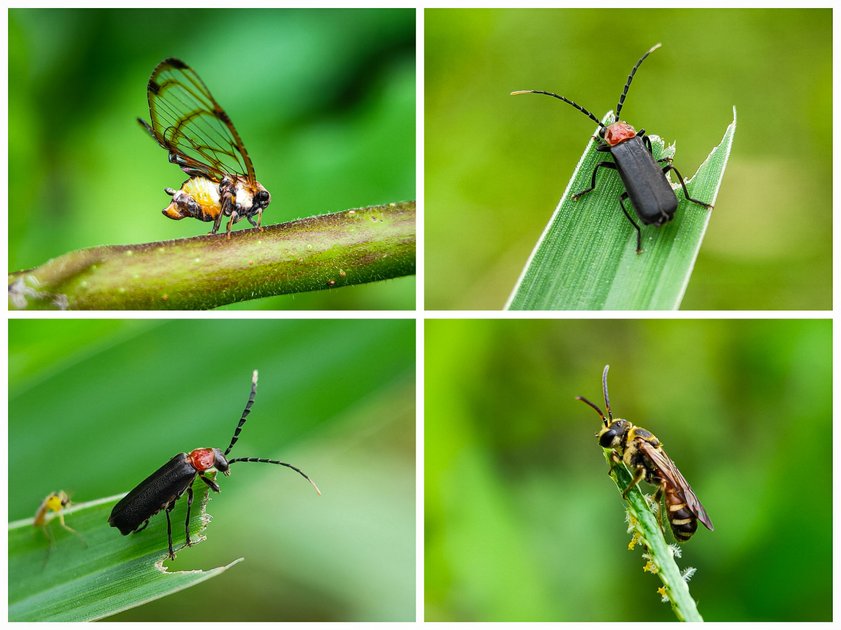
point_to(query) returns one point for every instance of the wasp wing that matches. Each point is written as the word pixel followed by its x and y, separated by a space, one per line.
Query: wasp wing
pixel 189 123
pixel 666 467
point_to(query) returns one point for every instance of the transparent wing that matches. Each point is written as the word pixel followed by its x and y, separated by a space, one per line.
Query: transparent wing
pixel 189 123
pixel 671 473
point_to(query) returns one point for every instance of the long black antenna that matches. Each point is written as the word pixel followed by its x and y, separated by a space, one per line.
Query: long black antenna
pixel 245 412
pixel 263 460
pixel 259 460
pixel 631 78
pixel 565 100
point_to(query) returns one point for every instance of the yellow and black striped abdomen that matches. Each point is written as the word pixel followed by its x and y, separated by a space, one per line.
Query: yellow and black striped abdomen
pixel 682 520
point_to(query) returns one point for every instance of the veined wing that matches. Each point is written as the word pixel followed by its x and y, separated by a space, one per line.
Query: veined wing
pixel 189 123
pixel 670 472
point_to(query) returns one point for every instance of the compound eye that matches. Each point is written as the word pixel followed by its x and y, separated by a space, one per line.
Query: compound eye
pixel 606 439
pixel 262 196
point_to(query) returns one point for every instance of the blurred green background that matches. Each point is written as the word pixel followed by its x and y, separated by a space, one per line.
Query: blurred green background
pixel 96 406
pixel 496 166
pixel 324 101
pixel 522 521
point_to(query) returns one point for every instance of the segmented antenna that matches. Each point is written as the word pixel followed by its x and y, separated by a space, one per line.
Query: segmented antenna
pixel 631 78
pixel 606 400
pixel 245 412
pixel 604 382
pixel 565 100
pixel 263 460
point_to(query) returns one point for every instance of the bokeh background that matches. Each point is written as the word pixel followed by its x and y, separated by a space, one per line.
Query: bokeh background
pixel 324 101
pixel 521 519
pixel 96 406
pixel 496 166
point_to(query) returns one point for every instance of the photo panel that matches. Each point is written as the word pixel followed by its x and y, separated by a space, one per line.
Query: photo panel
pixel 522 521
pixel 98 408
pixel 299 121
pixel 507 225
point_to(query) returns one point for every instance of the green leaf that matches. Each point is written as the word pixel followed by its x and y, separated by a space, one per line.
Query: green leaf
pixel 98 572
pixel 586 258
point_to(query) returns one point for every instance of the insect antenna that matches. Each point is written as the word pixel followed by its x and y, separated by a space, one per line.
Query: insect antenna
pixel 631 78
pixel 604 387
pixel 245 412
pixel 606 400
pixel 263 460
pixel 565 100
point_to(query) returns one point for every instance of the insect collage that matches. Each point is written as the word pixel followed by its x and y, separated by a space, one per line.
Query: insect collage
pixel 349 255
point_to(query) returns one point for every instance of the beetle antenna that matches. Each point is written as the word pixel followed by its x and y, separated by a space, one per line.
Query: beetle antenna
pixel 565 100
pixel 262 460
pixel 604 389
pixel 245 412
pixel 631 78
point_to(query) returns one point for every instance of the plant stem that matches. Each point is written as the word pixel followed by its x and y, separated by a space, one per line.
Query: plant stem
pixel 323 252
pixel 658 553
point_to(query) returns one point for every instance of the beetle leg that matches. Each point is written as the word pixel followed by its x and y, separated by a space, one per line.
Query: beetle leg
pixel 187 520
pixel 668 168
pixel 637 478
pixel 169 529
pixel 213 485
pixel 610 165
pixel 622 199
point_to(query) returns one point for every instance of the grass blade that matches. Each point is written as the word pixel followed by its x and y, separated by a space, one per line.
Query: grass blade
pixel 102 573
pixel 586 258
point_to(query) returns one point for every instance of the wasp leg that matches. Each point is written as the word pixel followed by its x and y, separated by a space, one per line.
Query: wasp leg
pixel 661 507
pixel 638 475
pixel 610 165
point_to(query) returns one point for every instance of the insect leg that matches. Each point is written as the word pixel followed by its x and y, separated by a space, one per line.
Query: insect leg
pixel 611 165
pixel 661 506
pixel 213 485
pixel 622 199
pixel 638 475
pixel 187 520
pixel 169 529
pixel 683 185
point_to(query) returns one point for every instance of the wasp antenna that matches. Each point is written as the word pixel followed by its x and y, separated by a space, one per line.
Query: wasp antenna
pixel 565 100
pixel 594 406
pixel 604 389
pixel 631 78
pixel 245 412
pixel 262 460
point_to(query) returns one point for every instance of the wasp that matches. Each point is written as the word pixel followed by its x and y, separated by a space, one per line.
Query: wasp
pixel 201 139
pixel 643 454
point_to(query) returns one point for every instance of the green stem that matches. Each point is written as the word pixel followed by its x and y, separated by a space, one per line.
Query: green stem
pixel 658 553
pixel 323 252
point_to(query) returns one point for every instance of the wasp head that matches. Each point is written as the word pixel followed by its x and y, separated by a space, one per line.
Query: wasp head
pixel 613 435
